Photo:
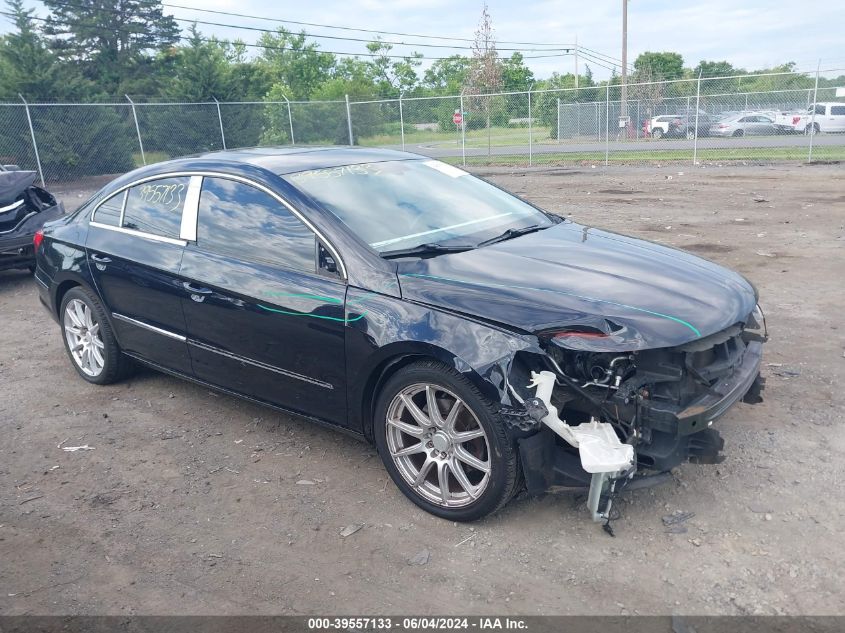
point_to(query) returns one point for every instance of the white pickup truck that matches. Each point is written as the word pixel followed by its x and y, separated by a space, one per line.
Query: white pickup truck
pixel 829 117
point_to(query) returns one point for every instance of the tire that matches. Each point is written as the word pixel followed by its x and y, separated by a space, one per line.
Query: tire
pixel 812 129
pixel 738 133
pixel 657 133
pixel 83 321
pixel 473 492
pixel 690 134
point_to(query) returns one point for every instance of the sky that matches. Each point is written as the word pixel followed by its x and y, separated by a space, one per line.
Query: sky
pixel 750 34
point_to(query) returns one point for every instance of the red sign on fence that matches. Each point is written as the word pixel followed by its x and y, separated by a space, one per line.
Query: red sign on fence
pixel 457 118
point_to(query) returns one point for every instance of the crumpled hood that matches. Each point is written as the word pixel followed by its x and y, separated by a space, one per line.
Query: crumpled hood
pixel 13 183
pixel 642 295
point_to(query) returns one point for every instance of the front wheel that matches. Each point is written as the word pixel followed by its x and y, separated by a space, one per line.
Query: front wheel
pixel 89 340
pixel 657 133
pixel 444 444
pixel 812 129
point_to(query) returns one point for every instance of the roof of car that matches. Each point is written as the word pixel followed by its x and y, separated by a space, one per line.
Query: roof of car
pixel 287 160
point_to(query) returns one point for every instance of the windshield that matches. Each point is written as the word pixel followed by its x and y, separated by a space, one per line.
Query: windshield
pixel 401 204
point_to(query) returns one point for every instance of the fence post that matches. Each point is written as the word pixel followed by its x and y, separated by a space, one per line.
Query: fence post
pixel 463 134
pixel 137 129
pixel 695 134
pixel 220 120
pixel 558 120
pixel 349 120
pixel 34 144
pixel 606 123
pixel 598 122
pixel 637 124
pixel 290 121
pixel 813 117
pixel 530 139
pixel 401 122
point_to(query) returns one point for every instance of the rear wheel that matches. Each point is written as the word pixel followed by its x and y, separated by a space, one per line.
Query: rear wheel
pixel 89 340
pixel 444 444
pixel 657 133
pixel 690 134
pixel 812 128
pixel 738 133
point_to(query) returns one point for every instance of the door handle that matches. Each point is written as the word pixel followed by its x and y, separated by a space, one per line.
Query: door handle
pixel 100 259
pixel 195 290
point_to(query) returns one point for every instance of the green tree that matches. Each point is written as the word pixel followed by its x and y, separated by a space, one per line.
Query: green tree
pixel 392 78
pixel 515 74
pixel 110 41
pixel 716 69
pixel 662 66
pixel 26 64
pixel 297 64
pixel 447 76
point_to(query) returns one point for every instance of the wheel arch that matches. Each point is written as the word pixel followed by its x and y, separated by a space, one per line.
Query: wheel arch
pixel 394 358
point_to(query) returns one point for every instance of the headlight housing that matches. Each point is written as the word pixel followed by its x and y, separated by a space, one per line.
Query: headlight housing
pixel 755 326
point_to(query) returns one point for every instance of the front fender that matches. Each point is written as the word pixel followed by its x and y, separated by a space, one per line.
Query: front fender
pixel 388 330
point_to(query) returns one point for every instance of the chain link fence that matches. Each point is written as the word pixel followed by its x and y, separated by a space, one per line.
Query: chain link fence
pixel 763 118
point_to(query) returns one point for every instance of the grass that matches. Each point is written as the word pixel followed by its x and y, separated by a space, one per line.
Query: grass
pixel 499 137
pixel 152 157
pixel 654 156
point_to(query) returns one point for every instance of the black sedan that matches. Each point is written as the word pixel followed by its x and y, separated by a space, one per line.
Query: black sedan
pixel 482 344
pixel 24 208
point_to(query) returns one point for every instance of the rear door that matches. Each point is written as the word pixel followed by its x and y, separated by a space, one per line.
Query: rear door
pixel 263 318
pixel 836 118
pixel 134 251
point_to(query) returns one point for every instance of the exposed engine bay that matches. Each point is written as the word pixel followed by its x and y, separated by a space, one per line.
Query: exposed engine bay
pixel 605 420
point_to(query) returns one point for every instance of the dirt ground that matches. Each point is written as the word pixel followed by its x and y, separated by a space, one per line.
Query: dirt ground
pixel 194 502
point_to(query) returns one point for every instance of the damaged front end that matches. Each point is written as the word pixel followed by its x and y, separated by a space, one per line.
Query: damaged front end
pixel 24 208
pixel 591 417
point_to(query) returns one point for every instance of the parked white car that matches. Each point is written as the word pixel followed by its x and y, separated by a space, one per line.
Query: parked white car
pixel 829 117
pixel 661 126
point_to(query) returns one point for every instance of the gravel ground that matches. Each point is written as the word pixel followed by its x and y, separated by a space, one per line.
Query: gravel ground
pixel 194 502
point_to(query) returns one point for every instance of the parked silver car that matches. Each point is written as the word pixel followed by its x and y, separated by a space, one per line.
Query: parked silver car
pixel 742 124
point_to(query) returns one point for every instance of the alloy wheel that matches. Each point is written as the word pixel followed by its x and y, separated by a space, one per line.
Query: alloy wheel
pixel 84 341
pixel 438 445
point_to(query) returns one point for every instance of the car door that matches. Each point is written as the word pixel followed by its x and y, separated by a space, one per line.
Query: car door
pixel 762 125
pixel 134 251
pixel 263 320
pixel 836 118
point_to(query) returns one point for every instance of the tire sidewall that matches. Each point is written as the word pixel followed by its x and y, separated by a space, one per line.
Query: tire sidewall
pixel 501 448
pixel 110 350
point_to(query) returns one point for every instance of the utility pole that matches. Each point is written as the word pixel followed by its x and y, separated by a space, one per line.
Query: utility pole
pixel 624 105
pixel 576 66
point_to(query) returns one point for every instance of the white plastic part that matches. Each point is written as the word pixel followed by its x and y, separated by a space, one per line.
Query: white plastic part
pixel 599 447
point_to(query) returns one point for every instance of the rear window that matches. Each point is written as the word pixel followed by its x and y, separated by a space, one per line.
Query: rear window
pixel 156 207
pixel 109 212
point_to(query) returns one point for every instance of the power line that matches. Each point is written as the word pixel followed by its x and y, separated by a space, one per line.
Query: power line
pixel 315 51
pixel 349 28
pixel 321 36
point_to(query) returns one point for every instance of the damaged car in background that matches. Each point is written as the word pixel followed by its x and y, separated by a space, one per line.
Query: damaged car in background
pixel 24 208
pixel 483 345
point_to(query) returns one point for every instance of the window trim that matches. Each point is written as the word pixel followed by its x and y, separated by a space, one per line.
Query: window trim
pixel 193 211
pixel 119 215
pixel 142 234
